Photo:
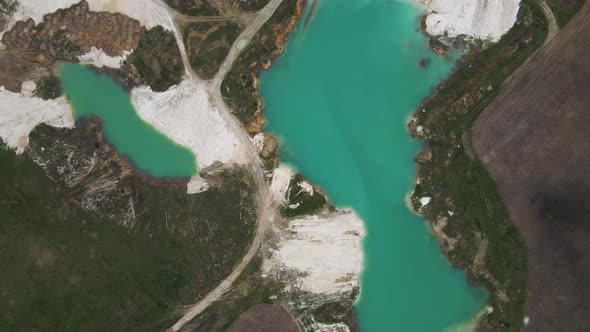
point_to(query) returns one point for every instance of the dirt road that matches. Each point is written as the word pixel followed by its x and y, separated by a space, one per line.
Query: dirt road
pixel 243 40
pixel 552 30
pixel 265 202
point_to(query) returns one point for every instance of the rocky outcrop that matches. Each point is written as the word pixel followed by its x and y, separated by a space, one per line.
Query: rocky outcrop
pixel 480 19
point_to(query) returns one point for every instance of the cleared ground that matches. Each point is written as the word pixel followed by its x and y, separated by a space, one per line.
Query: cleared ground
pixel 265 318
pixel 534 140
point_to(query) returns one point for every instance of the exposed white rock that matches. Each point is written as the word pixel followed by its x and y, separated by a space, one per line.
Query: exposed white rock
pixel 185 114
pixel 481 19
pixel 420 130
pixel 424 201
pixel 321 327
pixel 281 178
pixel 258 141
pixel 196 185
pixel 28 88
pixel 325 250
pixel 526 320
pixel 306 187
pixel 19 115
pixel 100 59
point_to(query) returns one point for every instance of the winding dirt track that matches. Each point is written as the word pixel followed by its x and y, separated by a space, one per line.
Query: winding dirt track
pixel 534 139
pixel 552 30
pixel 265 203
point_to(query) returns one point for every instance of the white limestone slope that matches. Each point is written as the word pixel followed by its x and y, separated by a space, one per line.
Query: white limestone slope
pixel 100 59
pixel 481 19
pixel 20 114
pixel 281 178
pixel 325 250
pixel 185 114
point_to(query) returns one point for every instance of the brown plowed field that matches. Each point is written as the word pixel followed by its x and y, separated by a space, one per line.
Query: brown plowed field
pixel 265 318
pixel 534 139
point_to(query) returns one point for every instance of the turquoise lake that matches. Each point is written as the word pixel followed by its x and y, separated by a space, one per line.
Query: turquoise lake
pixel 150 151
pixel 339 98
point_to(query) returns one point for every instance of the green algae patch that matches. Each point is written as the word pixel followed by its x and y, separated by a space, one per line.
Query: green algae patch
pixel 150 151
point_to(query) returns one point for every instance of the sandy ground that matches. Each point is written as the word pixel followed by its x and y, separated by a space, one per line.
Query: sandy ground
pixel 185 114
pixel 481 19
pixel 196 185
pixel 100 59
pixel 281 178
pixel 258 141
pixel 325 250
pixel 20 114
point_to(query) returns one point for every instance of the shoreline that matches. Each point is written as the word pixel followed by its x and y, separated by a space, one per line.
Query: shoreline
pixel 445 118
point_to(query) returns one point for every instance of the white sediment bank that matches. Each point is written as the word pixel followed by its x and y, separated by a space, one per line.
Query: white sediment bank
pixel 185 114
pixel 100 59
pixel 481 19
pixel 281 178
pixel 196 185
pixel 325 250
pixel 20 114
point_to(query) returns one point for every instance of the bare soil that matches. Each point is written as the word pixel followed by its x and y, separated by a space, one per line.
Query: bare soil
pixel 534 140
pixel 265 318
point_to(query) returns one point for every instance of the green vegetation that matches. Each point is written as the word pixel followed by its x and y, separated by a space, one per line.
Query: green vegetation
pixel 208 44
pixel 56 47
pixel 238 87
pixel 8 8
pixel 458 182
pixel 48 88
pixel 564 10
pixel 338 312
pixel 215 7
pixel 71 264
pixel 251 5
pixel 304 203
pixel 157 59
pixel 194 8
pixel 250 289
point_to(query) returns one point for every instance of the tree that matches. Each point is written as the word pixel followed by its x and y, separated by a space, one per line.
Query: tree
pixel 8 8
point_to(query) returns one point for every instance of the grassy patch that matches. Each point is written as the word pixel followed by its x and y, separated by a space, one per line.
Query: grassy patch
pixel 338 312
pixel 564 10
pixel 250 289
pixel 300 202
pixel 194 8
pixel 71 268
pixel 458 182
pixel 48 88
pixel 208 44
pixel 215 7
pixel 157 59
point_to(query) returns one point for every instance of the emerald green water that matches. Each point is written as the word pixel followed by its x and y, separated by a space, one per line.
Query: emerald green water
pixel 150 151
pixel 340 98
